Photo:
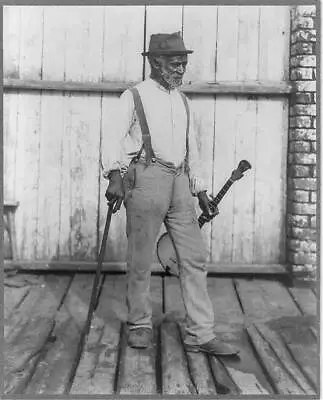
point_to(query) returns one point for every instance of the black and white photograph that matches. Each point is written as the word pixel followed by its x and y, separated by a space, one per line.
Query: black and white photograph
pixel 160 201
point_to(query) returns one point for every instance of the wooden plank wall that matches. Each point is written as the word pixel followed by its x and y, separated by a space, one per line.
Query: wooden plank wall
pixel 52 140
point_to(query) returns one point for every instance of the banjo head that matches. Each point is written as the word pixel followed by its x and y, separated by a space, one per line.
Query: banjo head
pixel 166 254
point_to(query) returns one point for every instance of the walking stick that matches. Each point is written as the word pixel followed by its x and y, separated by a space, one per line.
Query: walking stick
pixel 93 301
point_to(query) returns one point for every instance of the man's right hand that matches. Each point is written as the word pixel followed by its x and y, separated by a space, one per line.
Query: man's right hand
pixel 115 191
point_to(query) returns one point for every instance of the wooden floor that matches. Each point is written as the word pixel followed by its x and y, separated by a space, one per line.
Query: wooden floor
pixel 275 327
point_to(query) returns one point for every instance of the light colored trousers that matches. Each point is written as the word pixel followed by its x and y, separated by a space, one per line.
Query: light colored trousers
pixel 157 194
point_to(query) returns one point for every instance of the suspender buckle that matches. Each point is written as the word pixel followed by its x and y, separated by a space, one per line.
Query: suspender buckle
pixel 153 159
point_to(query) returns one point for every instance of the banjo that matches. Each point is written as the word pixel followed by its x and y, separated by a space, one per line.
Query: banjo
pixel 165 249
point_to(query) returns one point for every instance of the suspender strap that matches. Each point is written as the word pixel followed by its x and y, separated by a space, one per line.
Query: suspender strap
pixel 187 126
pixel 146 139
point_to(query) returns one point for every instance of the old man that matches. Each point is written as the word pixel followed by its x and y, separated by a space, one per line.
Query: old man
pixel 156 172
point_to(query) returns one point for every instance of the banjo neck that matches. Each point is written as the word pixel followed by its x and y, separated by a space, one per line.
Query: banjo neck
pixel 216 200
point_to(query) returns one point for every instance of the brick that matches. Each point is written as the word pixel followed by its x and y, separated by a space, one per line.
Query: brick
pixel 314 74
pixel 305 273
pixel 313 197
pixel 302 134
pixel 303 121
pixel 301 48
pixel 306 246
pixel 302 22
pixel 303 233
pixel 305 86
pixel 301 196
pixel 304 158
pixel 302 208
pixel 304 183
pixel 300 35
pixel 308 10
pixel 299 171
pixel 300 147
pixel 301 221
pixel 301 74
pixel 313 222
pixel 302 109
pixel 302 258
pixel 302 98
pixel 303 61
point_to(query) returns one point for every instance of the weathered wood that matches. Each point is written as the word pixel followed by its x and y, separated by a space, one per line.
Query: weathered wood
pixel 98 370
pixel 270 179
pixel 116 249
pixel 305 300
pixel 223 381
pixel 123 43
pixel 198 364
pixel 278 347
pixel 274 36
pixel 50 173
pixel 203 125
pixel 244 370
pixel 211 88
pixel 281 379
pixel 297 334
pixel 24 348
pixel 115 266
pixel 11 45
pixel 31 41
pixel 13 297
pixel 53 373
pixel 266 300
pixel 200 23
pixel 27 173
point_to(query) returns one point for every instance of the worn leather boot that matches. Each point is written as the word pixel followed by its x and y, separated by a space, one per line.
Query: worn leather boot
pixel 139 338
pixel 215 347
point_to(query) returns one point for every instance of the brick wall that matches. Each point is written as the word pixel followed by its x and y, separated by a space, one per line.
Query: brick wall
pixel 302 184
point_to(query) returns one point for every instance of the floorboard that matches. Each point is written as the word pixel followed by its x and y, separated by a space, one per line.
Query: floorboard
pixel 305 300
pixel 34 324
pixel 54 372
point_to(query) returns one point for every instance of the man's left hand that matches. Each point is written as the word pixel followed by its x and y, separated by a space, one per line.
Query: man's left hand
pixel 204 203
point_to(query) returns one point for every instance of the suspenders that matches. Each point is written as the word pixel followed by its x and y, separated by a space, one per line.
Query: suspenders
pixel 146 138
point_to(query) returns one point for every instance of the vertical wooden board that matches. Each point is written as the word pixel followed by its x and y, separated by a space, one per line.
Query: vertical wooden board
pixel 248 38
pixel 84 43
pixel 200 35
pixel 84 120
pixel 224 163
pixel 54 49
pixel 10 116
pixel 203 109
pixel 27 173
pixel 227 43
pixel 31 42
pixel 123 42
pixel 243 208
pixel 11 41
pixel 117 241
pixel 161 19
pixel 270 180
pixel 50 175
pixel 65 251
pixel 274 28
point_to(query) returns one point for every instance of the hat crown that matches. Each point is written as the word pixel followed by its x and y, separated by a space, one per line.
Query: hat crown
pixel 167 43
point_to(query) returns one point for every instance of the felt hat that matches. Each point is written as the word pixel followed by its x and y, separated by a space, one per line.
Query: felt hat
pixel 166 44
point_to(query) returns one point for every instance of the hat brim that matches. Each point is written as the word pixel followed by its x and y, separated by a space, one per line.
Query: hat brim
pixel 166 53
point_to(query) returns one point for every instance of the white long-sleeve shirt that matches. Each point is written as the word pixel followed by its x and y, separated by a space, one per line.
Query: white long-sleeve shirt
pixel 167 121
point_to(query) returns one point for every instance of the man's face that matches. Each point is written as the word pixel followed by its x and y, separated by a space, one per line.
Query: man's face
pixel 172 69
